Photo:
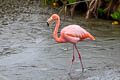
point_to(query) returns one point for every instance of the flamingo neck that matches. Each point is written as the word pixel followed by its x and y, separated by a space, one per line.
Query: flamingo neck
pixel 56 31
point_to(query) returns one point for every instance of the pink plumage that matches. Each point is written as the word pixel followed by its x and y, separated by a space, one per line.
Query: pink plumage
pixel 70 34
pixel 74 33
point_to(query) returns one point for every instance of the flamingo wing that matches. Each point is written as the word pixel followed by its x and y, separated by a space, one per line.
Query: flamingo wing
pixel 74 33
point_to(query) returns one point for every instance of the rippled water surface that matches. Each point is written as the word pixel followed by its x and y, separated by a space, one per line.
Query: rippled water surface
pixel 29 52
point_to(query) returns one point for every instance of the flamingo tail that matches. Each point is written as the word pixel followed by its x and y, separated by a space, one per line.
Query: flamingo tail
pixel 91 37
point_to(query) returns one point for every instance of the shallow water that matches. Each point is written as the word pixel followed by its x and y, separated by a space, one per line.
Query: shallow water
pixel 29 52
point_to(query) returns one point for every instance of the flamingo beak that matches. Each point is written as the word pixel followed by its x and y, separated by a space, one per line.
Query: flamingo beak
pixel 47 24
pixel 49 20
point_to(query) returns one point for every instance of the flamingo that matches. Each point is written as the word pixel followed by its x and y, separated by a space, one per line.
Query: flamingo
pixel 70 34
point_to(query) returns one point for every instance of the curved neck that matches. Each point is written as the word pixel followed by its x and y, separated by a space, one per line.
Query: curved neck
pixel 56 30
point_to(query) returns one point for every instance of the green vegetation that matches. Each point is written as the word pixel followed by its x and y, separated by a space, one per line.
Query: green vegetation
pixel 96 8
pixel 100 11
pixel 116 15
pixel 71 1
pixel 45 2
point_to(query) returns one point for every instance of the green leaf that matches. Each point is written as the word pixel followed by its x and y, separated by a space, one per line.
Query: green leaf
pixel 100 11
pixel 116 15
pixel 71 1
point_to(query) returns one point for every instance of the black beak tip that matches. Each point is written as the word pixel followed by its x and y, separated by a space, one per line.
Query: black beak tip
pixel 47 24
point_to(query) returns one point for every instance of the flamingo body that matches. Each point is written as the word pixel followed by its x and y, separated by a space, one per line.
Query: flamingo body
pixel 70 34
pixel 74 34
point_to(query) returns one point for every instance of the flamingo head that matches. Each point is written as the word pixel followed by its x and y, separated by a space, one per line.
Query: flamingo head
pixel 53 17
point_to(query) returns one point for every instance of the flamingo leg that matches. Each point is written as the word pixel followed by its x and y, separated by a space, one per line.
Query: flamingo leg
pixel 73 58
pixel 79 58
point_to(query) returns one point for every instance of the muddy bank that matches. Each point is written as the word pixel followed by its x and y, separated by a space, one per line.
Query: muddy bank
pixel 28 51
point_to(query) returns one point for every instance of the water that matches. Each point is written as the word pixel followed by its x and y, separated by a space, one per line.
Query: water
pixel 29 52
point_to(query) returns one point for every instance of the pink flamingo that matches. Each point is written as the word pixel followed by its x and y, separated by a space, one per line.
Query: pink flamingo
pixel 70 34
